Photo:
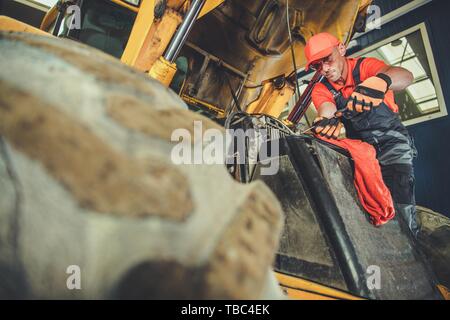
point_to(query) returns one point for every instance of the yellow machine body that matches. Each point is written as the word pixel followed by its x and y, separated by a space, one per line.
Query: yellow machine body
pixel 150 37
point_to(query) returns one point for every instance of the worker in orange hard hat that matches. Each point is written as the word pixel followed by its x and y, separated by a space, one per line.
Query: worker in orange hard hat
pixel 357 93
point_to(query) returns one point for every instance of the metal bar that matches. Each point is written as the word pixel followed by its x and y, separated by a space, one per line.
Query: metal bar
pixel 180 36
pixel 199 79
pixel 427 100
pixel 233 93
pixel 237 93
pixel 404 60
pixel 305 100
pixel 216 59
pixel 421 80
pixel 59 18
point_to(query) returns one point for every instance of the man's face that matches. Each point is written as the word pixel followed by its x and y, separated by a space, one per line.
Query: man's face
pixel 332 66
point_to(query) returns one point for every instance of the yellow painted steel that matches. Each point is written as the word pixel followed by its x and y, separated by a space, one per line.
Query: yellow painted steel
pixel 194 101
pixel 163 71
pixel 208 6
pixel 304 295
pixel 271 101
pixel 444 291
pixel 303 289
pixel 341 28
pixel 141 27
pixel 49 18
pixel 364 4
pixel 157 39
pixel 126 5
pixel 10 24
pixel 288 123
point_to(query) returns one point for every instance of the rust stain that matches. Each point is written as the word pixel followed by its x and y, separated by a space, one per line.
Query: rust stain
pixel 157 39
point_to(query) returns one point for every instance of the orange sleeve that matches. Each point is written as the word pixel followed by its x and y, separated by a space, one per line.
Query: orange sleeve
pixel 371 67
pixel 321 94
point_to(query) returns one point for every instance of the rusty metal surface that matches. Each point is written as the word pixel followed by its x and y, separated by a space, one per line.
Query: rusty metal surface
pixel 252 36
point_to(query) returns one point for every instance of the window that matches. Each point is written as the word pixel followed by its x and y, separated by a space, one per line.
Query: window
pixel 106 26
pixel 411 49
pixel 48 3
pixel 423 100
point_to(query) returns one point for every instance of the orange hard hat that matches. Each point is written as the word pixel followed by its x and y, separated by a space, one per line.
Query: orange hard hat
pixel 319 46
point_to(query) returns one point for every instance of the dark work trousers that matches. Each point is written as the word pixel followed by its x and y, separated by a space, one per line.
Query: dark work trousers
pixel 395 153
pixel 395 149
pixel 399 178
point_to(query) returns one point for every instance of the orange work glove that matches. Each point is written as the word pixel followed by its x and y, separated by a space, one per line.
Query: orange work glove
pixel 369 94
pixel 327 127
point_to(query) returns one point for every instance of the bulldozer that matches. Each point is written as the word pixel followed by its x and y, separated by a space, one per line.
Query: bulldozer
pixel 88 106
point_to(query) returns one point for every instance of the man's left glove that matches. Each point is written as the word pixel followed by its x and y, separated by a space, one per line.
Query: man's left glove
pixel 370 93
pixel 327 127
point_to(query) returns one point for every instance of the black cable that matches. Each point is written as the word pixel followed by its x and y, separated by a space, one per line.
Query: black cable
pixel 254 87
pixel 403 54
pixel 235 99
pixel 297 91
